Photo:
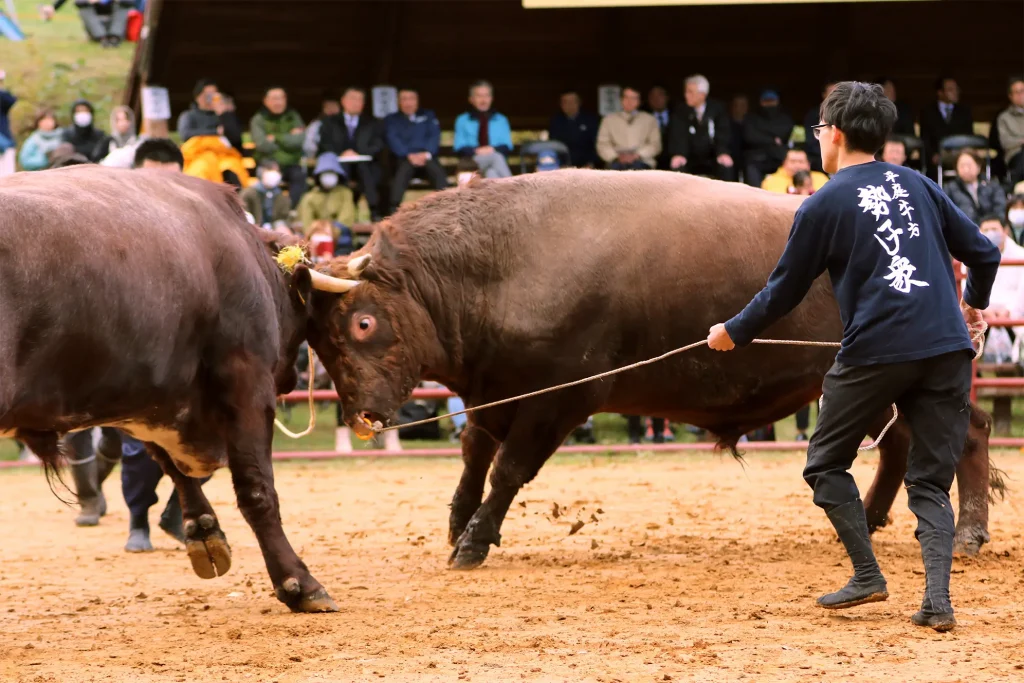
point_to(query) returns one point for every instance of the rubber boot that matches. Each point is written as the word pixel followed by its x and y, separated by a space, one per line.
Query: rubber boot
pixel 108 455
pixel 138 536
pixel 936 610
pixel 867 584
pixel 634 426
pixel 171 519
pixel 88 493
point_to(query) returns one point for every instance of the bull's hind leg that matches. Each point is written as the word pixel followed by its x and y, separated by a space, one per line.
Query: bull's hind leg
pixel 478 449
pixel 892 465
pixel 205 543
pixel 973 483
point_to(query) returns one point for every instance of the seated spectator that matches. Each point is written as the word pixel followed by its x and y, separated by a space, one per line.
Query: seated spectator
pixel 629 139
pixel 65 155
pixel 321 240
pixel 803 184
pixel 782 180
pixel 944 117
pixel 264 199
pixel 159 153
pixel 118 148
pixel 484 134
pixel 329 106
pixel 904 112
pixel 329 199
pixel 894 151
pixel 1010 125
pixel 699 138
pixel 208 152
pixel 811 119
pixel 278 132
pixel 414 137
pixel 975 197
pixel 7 101
pixel 354 133
pixel 575 129
pixel 45 138
pixel 105 21
pixel 659 107
pixel 1007 298
pixel 465 171
pixel 766 136
pixel 85 138
pixel 739 107
pixel 1015 217
pixel 224 107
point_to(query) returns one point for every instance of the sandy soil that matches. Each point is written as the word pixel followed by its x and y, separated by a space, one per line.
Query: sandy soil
pixel 694 570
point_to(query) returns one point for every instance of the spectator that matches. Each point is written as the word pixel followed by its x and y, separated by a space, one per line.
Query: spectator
pixel 159 153
pixel 1007 298
pixel 329 106
pixel 208 152
pixel 484 134
pixel 414 137
pixel 766 136
pixel 278 132
pixel 629 139
pixel 105 21
pixel 351 134
pixel 973 196
pixel 782 180
pixel 811 144
pixel 894 151
pixel 803 184
pixel 224 107
pixel 943 118
pixel 1015 217
pixel 118 148
pixel 328 199
pixel 575 129
pixel 65 155
pixel 1010 126
pixel 699 139
pixel 7 101
pixel 904 112
pixel 264 200
pixel 85 138
pixel 739 107
pixel 658 105
pixel 45 138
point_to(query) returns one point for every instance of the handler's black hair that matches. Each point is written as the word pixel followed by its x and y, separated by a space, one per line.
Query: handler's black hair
pixel 862 112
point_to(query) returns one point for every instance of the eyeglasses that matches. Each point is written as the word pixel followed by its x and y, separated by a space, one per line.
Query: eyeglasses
pixel 817 129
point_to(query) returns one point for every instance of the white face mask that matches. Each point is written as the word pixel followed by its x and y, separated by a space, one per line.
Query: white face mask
pixel 1016 217
pixel 271 179
pixel 83 119
pixel 329 180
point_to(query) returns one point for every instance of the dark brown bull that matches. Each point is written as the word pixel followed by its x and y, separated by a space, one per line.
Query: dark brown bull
pixel 145 300
pixel 505 287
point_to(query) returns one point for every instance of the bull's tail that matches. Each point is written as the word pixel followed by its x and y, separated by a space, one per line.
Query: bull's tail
pixel 47 446
pixel 729 442
pixel 997 487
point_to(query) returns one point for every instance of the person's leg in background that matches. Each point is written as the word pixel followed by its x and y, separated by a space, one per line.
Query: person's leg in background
pixel 435 173
pixel 493 165
pixel 455 404
pixel 634 428
pixel 400 183
pixel 803 421
pixel 118 21
pixel 140 475
pixel 95 25
pixel 368 174
pixel 939 415
pixel 342 433
pixel 295 176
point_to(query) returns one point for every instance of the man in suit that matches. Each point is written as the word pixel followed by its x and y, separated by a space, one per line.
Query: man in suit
pixel 944 117
pixel 575 129
pixel 698 140
pixel 353 133
pixel 658 105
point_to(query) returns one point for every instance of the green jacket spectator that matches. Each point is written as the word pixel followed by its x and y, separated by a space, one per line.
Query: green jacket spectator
pixel 272 134
pixel 328 200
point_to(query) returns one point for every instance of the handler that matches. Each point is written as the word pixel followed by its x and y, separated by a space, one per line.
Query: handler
pixel 885 235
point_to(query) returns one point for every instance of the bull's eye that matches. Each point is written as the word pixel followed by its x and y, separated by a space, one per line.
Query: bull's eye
pixel 363 326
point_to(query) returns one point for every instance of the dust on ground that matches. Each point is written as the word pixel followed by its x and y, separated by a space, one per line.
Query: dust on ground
pixel 686 568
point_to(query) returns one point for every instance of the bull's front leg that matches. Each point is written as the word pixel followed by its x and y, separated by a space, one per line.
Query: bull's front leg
pixel 973 484
pixel 478 449
pixel 253 477
pixel 205 543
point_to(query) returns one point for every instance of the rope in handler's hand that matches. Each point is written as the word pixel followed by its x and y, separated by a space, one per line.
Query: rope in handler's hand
pixel 977 336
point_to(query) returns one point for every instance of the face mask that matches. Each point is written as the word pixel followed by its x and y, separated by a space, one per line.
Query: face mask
pixel 1017 217
pixel 329 180
pixel 83 119
pixel 995 238
pixel 271 179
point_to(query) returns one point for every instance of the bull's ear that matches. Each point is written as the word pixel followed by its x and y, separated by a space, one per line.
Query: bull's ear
pixel 301 289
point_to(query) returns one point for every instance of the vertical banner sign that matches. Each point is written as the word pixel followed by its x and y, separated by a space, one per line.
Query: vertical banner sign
pixel 385 100
pixel 609 99
pixel 156 104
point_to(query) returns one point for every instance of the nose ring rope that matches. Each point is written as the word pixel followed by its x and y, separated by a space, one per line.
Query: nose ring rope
pixel 977 337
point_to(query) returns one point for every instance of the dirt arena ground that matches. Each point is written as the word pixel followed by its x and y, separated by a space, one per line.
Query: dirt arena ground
pixel 686 568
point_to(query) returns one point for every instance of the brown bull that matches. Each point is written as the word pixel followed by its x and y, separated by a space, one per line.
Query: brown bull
pixel 505 287
pixel 144 300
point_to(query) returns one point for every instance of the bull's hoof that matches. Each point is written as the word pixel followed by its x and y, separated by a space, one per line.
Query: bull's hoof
pixel 468 555
pixel 316 600
pixel 969 539
pixel 207 547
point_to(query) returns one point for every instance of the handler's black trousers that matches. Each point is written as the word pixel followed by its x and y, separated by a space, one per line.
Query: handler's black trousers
pixel 933 394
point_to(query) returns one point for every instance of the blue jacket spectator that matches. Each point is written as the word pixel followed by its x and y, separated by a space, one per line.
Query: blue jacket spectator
pixel 414 136
pixel 420 132
pixel 7 100
pixel 467 132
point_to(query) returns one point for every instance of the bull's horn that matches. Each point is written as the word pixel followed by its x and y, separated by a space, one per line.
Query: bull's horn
pixel 357 265
pixel 326 283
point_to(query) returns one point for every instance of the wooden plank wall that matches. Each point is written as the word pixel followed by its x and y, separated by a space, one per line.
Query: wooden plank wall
pixel 442 45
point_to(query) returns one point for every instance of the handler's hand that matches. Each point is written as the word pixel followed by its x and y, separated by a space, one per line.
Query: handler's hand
pixel 972 316
pixel 719 339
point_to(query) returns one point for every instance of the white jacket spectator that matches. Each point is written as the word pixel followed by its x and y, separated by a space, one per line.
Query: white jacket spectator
pixel 1007 298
